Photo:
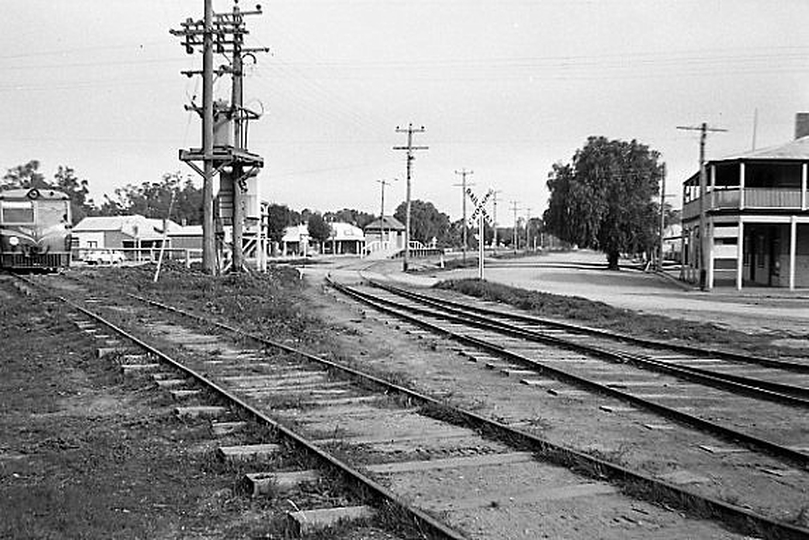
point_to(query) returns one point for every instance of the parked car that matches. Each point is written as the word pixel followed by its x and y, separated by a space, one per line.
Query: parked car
pixel 105 257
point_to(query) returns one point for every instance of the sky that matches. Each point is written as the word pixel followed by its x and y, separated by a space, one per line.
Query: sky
pixel 504 88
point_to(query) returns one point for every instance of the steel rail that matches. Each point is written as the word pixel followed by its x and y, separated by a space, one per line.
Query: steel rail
pixel 357 477
pixel 752 441
pixel 652 343
pixel 634 483
pixel 777 392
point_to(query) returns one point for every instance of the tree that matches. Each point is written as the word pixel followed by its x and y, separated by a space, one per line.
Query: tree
pixel 152 200
pixel 279 218
pixel 24 177
pixel 426 222
pixel 319 230
pixel 603 199
pixel 534 231
pixel 77 189
pixel 349 215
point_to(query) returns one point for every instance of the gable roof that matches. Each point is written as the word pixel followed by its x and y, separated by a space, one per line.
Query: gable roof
pixel 134 226
pixel 345 231
pixel 296 233
pixel 388 223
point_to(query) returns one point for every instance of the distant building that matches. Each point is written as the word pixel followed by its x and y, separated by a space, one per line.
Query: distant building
pixel 346 239
pixel 137 235
pixel 295 241
pixel 115 232
pixel 384 235
pixel 756 217
pixel 673 243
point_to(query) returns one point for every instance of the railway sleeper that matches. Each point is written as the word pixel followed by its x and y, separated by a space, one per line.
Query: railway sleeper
pixel 200 411
pixel 265 483
pixel 308 522
pixel 247 452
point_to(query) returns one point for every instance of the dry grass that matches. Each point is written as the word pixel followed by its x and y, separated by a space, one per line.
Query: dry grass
pixel 586 312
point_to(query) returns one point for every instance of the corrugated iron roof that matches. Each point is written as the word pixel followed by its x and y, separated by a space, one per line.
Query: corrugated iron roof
pixel 793 150
pixel 387 223
pixel 136 226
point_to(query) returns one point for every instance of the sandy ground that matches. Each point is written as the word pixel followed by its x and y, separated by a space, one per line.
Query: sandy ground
pixel 752 310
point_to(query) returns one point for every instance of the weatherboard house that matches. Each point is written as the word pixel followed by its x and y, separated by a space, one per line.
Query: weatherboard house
pixel 756 217
pixel 384 235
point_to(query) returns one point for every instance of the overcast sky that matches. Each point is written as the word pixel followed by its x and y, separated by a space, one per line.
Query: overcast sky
pixel 503 87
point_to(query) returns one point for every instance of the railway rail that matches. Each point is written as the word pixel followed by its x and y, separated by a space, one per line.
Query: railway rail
pixel 427 460
pixel 672 397
pixel 584 370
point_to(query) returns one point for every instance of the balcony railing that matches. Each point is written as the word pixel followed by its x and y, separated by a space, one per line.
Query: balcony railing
pixel 760 198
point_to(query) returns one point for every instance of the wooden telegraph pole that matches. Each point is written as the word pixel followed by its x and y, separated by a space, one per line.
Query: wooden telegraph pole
pixel 384 183
pixel 225 32
pixel 464 173
pixel 410 130
pixel 514 208
pixel 702 260
pixel 494 216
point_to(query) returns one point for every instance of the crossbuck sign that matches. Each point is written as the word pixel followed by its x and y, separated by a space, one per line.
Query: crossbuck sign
pixel 480 215
pixel 480 207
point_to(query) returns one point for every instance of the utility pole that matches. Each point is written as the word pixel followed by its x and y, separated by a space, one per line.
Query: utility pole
pixel 410 130
pixel 384 183
pixel 514 208
pixel 703 182
pixel 239 185
pixel 662 219
pixel 464 173
pixel 527 230
pixel 208 240
pixel 494 216
pixel 223 31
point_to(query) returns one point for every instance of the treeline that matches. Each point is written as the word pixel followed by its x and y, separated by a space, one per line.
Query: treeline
pixel 153 199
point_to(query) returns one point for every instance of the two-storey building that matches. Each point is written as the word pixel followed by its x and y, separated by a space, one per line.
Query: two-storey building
pixel 756 217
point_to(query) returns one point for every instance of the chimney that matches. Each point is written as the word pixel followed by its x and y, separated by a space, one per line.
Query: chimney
pixel 801 125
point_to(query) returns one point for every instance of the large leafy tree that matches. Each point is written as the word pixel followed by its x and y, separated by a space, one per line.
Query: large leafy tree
pixel 426 222
pixel 24 177
pixel 279 217
pixel 603 199
pixel 152 200
pixel 349 215
pixel 318 229
pixel 77 189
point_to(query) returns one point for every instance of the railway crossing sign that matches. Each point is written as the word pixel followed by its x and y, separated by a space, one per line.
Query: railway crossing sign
pixel 480 207
pixel 480 215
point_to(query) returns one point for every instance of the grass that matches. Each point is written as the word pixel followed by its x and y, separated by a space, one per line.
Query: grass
pixel 582 311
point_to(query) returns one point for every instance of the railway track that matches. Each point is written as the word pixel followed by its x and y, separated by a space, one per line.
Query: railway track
pixel 412 451
pixel 593 374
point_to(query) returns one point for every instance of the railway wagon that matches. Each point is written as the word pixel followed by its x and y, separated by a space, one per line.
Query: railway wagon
pixel 34 229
